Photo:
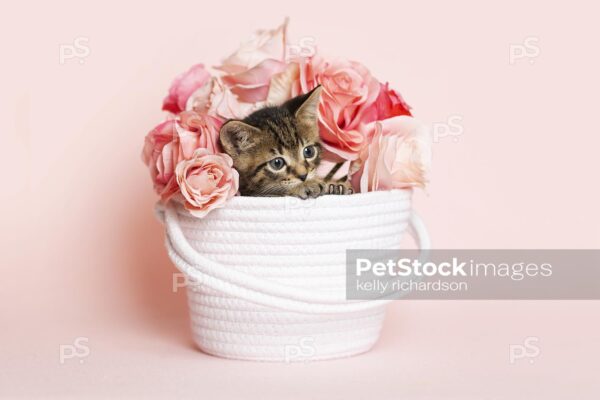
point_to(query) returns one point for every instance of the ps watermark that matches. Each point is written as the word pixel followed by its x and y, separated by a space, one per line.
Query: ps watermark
pixel 528 350
pixel 304 48
pixel 181 280
pixel 451 128
pixel 302 351
pixel 528 50
pixel 78 50
pixel 298 205
pixel 79 349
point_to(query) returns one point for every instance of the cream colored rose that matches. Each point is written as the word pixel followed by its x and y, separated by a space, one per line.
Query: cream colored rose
pixel 398 155
pixel 248 71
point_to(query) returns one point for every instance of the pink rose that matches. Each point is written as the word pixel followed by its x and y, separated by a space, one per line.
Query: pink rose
pixel 248 71
pixel 206 181
pixel 388 104
pixel 176 140
pixel 200 100
pixel 184 86
pixel 349 91
pixel 158 156
pixel 398 155
pixel 198 131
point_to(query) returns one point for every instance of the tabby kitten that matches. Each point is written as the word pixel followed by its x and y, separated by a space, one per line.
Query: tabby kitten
pixel 277 150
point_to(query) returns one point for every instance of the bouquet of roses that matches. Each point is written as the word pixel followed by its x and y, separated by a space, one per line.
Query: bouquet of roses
pixel 363 122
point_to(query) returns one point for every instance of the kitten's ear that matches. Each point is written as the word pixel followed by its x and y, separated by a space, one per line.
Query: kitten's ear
pixel 237 137
pixel 308 106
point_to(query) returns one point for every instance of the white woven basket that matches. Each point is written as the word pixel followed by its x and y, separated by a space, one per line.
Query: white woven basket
pixel 267 276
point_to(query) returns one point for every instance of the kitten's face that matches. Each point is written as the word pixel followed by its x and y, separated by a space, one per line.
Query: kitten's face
pixel 276 150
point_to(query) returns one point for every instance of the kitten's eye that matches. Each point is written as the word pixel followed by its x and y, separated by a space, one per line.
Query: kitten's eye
pixel 277 163
pixel 310 152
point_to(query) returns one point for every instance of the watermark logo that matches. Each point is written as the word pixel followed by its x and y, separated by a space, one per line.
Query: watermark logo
pixel 451 128
pixel 180 280
pixel 471 274
pixel 529 350
pixel 529 50
pixel 303 351
pixel 78 349
pixel 79 50
pixel 293 204
pixel 306 47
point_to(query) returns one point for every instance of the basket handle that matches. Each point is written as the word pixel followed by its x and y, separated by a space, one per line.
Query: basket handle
pixel 268 293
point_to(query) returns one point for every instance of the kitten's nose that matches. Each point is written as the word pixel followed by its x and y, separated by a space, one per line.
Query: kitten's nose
pixel 302 177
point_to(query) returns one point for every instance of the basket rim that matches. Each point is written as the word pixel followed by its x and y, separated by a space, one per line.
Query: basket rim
pixel 327 200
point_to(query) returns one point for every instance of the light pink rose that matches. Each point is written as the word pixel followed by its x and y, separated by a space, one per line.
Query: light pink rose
pixel 206 181
pixel 349 90
pixel 176 140
pixel 282 83
pixel 248 71
pixel 184 86
pixel 398 155
pixel 226 105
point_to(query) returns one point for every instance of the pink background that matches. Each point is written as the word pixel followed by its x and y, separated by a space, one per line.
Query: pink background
pixel 83 256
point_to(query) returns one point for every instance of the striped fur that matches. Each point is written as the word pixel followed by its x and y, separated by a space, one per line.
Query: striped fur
pixel 277 150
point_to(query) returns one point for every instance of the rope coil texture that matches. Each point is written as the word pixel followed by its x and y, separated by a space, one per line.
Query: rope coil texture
pixel 266 277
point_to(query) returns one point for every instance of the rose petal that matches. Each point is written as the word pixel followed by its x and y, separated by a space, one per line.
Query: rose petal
pixel 252 85
pixel 280 89
pixel 183 86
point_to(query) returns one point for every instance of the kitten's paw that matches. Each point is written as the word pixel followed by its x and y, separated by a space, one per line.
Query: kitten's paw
pixel 313 189
pixel 310 190
pixel 340 188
